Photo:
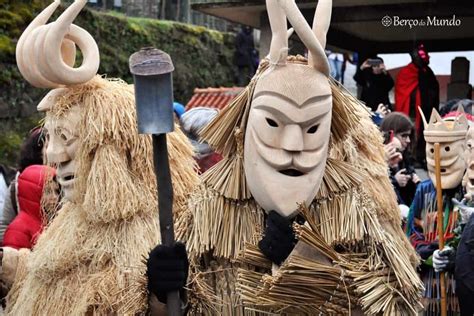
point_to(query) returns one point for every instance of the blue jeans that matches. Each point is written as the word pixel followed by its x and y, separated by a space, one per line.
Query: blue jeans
pixel 336 69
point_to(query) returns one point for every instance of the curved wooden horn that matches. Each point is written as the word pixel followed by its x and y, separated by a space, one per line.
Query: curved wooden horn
pixel 25 52
pixel 322 20
pixel 68 52
pixel 52 48
pixel 317 57
pixel 68 55
pixel 279 43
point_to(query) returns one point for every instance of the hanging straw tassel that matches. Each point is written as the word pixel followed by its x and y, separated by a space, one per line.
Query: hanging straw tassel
pixel 220 225
pixel 227 177
pixel 219 133
pixel 338 178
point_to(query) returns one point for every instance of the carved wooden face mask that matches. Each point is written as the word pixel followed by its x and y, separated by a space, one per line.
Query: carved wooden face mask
pixel 468 180
pixel 288 128
pixel 61 147
pixel 450 134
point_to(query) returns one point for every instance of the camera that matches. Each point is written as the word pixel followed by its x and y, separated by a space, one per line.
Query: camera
pixel 374 62
pixel 409 171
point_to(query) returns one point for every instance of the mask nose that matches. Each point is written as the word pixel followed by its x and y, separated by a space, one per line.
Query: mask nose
pixel 56 153
pixel 292 138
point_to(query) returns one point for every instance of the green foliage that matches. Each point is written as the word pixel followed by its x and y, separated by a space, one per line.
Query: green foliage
pixel 202 58
pixel 13 133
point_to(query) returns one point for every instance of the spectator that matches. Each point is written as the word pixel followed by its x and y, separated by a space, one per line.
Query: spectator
pixel 245 55
pixel 451 107
pixel 336 61
pixel 192 122
pixel 375 82
pixel 26 227
pixel 416 85
pixel 403 175
pixel 3 187
pixel 31 153
pixel 347 58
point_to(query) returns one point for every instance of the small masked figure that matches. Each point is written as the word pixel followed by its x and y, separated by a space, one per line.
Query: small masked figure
pixel 450 133
pixel 90 259
pixel 468 180
pixel 297 147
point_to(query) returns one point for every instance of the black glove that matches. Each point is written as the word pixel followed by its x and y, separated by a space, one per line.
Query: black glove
pixel 279 238
pixel 167 270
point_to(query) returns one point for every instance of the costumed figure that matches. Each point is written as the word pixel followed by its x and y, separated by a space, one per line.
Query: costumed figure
pixel 450 133
pixel 460 261
pixel 416 85
pixel 90 259
pixel 294 140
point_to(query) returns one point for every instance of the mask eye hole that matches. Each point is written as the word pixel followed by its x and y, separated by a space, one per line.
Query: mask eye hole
pixel 432 150
pixel 271 122
pixel 447 148
pixel 312 129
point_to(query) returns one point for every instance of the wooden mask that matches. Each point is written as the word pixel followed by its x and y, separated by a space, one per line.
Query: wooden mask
pixel 287 135
pixel 450 133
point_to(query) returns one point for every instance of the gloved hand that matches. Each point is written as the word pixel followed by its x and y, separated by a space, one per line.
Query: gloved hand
pixel 464 210
pixel 443 258
pixel 279 238
pixel 167 270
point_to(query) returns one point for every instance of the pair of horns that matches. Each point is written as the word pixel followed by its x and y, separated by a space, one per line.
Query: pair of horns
pixel 46 53
pixel 314 39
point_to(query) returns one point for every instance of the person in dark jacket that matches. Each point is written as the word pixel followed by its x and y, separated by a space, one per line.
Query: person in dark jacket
pixel 461 260
pixel 245 55
pixel 26 227
pixel 375 81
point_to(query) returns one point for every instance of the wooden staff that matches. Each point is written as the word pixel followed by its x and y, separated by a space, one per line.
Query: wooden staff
pixel 439 199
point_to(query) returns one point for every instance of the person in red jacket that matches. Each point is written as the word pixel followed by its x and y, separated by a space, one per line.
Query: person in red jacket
pixel 26 227
pixel 417 86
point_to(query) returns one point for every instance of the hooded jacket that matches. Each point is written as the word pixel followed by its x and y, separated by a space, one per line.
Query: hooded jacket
pixel 26 227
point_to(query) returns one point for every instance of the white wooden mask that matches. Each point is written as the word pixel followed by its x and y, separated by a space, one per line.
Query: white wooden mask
pixel 287 135
pixel 450 133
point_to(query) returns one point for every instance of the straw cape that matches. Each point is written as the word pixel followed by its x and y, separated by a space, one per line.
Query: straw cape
pixel 351 254
pixel 91 258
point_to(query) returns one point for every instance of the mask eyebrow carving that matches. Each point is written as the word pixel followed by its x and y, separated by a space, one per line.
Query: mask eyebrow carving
pixel 315 99
pixel 290 112
pixel 287 119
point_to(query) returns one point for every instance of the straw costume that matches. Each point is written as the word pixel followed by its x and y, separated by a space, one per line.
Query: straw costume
pixel 422 221
pixel 294 137
pixel 468 179
pixel 464 255
pixel 91 257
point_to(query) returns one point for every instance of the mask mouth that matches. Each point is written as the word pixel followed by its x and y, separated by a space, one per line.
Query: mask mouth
pixel 291 172
pixel 471 181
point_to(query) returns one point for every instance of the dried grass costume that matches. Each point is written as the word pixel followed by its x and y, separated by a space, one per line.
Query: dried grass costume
pixel 351 254
pixel 91 258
